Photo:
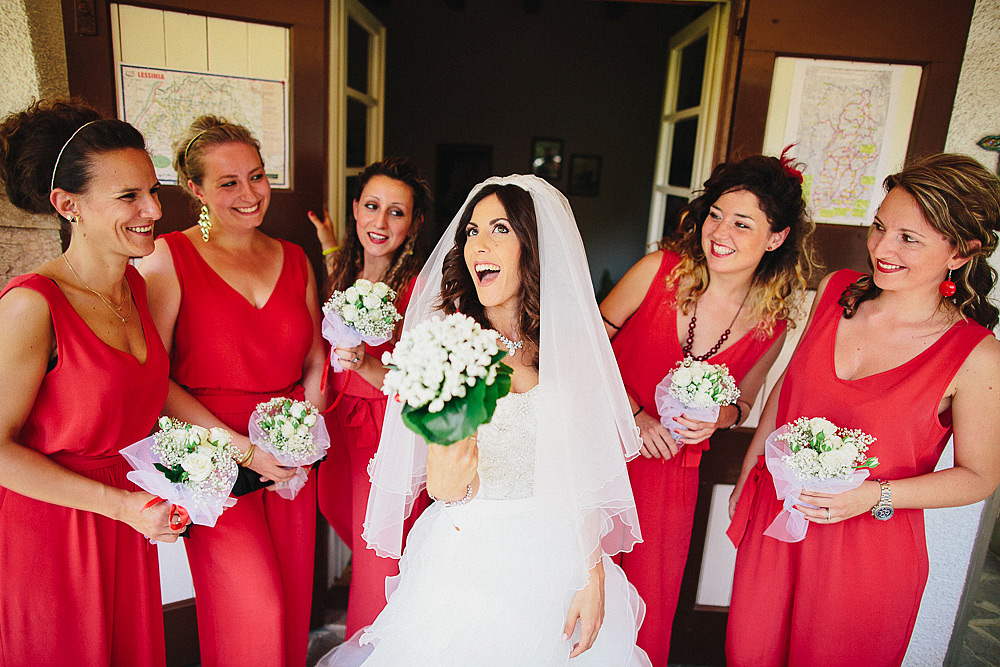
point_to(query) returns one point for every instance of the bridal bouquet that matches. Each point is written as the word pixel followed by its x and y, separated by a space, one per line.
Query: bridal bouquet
pixel 294 433
pixel 695 389
pixel 364 312
pixel 449 375
pixel 814 453
pixel 186 465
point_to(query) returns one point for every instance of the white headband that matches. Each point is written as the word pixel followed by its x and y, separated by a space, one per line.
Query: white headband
pixel 52 182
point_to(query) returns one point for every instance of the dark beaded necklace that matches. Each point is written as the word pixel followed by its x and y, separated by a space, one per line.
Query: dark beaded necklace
pixel 686 350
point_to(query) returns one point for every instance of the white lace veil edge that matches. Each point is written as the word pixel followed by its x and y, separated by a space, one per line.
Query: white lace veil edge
pixel 585 428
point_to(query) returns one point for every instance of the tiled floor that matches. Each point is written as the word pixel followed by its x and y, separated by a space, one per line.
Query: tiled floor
pixel 981 647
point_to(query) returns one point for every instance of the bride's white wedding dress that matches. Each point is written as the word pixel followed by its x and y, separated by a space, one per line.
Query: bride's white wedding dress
pixel 489 582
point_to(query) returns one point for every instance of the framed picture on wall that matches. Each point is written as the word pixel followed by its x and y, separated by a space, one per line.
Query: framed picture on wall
pixel 584 175
pixel 546 158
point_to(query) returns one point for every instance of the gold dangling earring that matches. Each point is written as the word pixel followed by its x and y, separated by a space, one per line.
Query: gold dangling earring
pixel 205 223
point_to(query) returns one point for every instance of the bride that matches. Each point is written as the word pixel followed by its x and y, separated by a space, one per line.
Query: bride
pixel 511 565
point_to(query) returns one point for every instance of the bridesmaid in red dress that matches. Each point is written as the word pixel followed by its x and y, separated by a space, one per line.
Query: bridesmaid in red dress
pixel 905 355
pixel 720 292
pixel 390 203
pixel 239 313
pixel 84 375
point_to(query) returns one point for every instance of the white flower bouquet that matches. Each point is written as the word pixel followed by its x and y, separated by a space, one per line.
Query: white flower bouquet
pixel 294 433
pixel 363 313
pixel 186 465
pixel 449 375
pixel 814 453
pixel 695 389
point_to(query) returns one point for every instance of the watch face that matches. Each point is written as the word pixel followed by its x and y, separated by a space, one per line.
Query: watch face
pixel 884 513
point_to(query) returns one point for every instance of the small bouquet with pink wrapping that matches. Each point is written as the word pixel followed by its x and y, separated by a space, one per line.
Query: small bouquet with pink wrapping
pixel 363 313
pixel 813 453
pixel 294 434
pixel 695 389
pixel 189 466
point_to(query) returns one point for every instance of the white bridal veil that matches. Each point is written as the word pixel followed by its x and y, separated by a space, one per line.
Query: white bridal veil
pixel 585 427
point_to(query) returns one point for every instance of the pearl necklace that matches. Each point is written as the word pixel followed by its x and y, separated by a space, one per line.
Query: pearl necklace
pixel 512 345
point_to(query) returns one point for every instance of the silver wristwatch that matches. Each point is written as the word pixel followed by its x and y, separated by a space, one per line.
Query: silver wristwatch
pixel 883 508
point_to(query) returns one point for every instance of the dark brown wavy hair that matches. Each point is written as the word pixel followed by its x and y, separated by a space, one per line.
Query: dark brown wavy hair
pixel 961 200
pixel 407 260
pixel 779 280
pixel 458 291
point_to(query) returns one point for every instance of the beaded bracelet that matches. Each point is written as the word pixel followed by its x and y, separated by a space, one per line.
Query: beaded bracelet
pixel 454 503
pixel 739 417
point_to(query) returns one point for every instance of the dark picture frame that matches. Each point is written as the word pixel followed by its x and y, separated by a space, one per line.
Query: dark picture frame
pixel 584 175
pixel 547 158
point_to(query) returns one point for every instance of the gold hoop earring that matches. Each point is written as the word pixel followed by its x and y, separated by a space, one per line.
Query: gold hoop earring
pixel 205 223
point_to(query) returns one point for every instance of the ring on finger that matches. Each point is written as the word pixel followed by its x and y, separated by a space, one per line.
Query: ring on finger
pixel 827 513
pixel 355 360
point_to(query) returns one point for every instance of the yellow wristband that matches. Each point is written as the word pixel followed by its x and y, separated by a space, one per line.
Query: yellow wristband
pixel 330 251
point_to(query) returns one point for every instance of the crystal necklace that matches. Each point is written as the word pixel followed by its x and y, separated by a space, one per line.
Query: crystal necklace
pixel 512 345
pixel 686 350
pixel 114 308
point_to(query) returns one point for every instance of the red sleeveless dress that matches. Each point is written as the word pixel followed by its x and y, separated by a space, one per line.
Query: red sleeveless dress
pixel 78 588
pixel 848 594
pixel 665 492
pixel 253 572
pixel 343 484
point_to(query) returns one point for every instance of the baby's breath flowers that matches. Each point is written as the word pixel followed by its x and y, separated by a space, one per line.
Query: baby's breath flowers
pixel 367 308
pixel 814 454
pixel 448 373
pixel 187 465
pixel 294 433
pixel 696 390
pixel 819 449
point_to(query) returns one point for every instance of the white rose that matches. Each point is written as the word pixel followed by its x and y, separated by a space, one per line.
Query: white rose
pixel 310 420
pixel 363 286
pixel 682 377
pixel 219 436
pixel 349 313
pixel 837 461
pixel 196 435
pixel 287 430
pixel 302 430
pixel 163 423
pixel 702 400
pixel 370 301
pixel 351 294
pixel 381 290
pixel 197 465
pixel 818 424
pixel 298 410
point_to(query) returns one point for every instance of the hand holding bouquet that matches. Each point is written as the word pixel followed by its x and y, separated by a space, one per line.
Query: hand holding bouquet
pixel 294 433
pixel 363 313
pixel 695 389
pixel 189 466
pixel 813 453
pixel 449 375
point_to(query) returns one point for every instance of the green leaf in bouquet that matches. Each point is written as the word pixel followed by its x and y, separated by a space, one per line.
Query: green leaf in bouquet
pixel 460 417
pixel 175 474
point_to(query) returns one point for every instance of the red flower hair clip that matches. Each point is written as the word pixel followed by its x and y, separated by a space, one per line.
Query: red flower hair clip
pixel 788 163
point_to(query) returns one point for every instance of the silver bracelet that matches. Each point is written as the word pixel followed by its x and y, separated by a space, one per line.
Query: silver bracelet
pixel 454 503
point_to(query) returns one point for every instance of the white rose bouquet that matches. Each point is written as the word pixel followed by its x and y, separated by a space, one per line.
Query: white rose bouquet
pixel 294 433
pixel 814 453
pixel 696 389
pixel 186 465
pixel 448 373
pixel 363 313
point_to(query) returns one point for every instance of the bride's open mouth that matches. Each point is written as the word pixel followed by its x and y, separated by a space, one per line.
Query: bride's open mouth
pixel 487 272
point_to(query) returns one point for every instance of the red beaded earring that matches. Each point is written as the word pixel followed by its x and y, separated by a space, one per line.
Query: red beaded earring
pixel 947 288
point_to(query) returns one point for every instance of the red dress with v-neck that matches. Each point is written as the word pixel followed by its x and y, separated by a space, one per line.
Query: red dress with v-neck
pixel 78 588
pixel 343 483
pixel 665 492
pixel 848 594
pixel 253 571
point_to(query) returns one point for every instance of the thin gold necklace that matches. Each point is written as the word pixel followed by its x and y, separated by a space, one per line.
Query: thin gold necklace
pixel 116 309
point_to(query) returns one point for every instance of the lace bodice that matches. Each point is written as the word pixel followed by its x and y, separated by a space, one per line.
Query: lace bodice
pixel 507 448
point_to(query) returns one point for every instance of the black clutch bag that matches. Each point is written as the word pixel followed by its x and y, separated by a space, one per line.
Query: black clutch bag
pixel 248 481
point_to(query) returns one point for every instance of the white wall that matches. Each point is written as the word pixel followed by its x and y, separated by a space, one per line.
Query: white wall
pixel 951 532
